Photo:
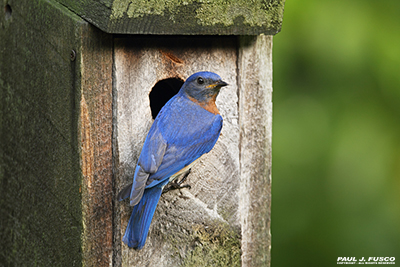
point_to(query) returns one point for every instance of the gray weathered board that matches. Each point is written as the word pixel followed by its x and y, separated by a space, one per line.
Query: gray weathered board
pixel 40 202
pixel 231 184
pixel 139 64
pixel 56 128
pixel 190 17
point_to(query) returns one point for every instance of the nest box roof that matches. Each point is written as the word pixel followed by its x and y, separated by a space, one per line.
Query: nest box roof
pixel 182 17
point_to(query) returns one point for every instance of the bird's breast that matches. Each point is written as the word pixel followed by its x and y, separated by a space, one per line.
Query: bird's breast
pixel 210 105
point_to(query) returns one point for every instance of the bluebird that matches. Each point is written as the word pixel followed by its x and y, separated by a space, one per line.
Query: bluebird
pixel 187 127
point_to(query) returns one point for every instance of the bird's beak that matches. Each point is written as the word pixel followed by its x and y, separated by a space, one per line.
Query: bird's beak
pixel 217 84
pixel 221 84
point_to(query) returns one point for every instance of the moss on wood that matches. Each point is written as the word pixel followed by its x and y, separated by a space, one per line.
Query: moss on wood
pixel 40 206
pixel 221 17
pixel 215 245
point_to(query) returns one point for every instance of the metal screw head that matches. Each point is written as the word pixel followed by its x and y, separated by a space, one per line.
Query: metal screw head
pixel 72 55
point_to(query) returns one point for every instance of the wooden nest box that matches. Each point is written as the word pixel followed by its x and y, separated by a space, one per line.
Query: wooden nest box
pixel 81 83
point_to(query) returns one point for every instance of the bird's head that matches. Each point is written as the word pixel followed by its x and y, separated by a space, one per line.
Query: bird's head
pixel 203 86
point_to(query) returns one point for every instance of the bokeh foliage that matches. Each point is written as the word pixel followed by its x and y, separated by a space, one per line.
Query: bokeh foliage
pixel 336 132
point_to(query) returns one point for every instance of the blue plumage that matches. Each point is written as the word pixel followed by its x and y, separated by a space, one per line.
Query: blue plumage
pixel 187 127
pixel 142 214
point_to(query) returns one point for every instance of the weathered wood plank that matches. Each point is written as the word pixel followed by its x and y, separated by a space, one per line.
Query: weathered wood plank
pixel 40 204
pixel 191 17
pixel 255 120
pixel 184 219
pixel 56 124
pixel 238 167
pixel 96 146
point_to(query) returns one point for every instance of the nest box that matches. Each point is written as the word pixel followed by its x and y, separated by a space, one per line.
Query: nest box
pixel 81 83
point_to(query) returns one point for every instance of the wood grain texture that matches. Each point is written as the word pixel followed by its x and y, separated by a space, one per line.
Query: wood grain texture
pixel 56 138
pixel 40 203
pixel 65 124
pixel 232 184
pixel 213 200
pixel 96 146
pixel 255 121
pixel 174 17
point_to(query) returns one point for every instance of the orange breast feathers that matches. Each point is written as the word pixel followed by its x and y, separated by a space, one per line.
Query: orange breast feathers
pixel 209 106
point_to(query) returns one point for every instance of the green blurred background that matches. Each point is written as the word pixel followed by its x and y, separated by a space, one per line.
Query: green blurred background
pixel 336 132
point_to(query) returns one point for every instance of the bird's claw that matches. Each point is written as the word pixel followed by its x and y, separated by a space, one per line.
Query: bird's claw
pixel 177 185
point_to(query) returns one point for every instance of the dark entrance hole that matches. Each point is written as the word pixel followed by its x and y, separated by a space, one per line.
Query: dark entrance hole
pixel 163 91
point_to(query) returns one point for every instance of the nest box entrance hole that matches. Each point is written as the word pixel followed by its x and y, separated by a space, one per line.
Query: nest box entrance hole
pixel 163 91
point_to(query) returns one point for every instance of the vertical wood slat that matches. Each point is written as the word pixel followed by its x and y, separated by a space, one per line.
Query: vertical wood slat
pixel 96 147
pixel 40 202
pixel 212 202
pixel 255 120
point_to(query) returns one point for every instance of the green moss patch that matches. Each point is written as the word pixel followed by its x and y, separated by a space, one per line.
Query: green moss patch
pixel 216 245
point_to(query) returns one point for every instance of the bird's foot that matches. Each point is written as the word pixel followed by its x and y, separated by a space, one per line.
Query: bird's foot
pixel 175 184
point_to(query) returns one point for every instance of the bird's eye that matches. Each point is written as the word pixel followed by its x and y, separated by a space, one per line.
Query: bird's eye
pixel 200 80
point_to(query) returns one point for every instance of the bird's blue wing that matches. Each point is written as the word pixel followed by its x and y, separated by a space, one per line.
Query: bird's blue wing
pixel 150 159
pixel 181 133
pixel 190 131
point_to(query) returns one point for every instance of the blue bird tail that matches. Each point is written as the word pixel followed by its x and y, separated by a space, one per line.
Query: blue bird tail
pixel 142 214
